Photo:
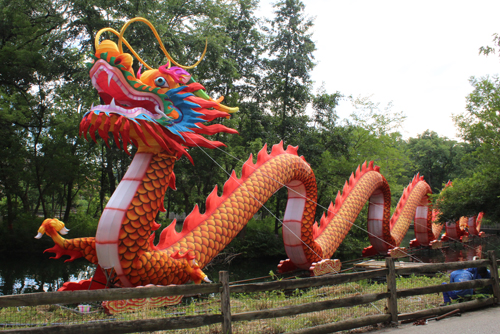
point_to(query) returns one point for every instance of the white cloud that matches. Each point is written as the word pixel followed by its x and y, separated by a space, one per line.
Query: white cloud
pixel 420 55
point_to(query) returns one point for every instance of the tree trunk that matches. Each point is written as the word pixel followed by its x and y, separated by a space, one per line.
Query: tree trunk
pixel 10 213
pixel 69 201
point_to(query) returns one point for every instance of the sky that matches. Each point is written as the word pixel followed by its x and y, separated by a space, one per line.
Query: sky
pixel 418 54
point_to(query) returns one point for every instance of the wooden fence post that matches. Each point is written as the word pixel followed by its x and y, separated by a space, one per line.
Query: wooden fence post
pixel 225 303
pixel 494 274
pixel 392 301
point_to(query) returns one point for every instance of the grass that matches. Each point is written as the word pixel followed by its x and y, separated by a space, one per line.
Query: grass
pixel 11 318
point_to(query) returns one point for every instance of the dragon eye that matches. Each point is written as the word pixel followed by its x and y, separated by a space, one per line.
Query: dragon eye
pixel 161 82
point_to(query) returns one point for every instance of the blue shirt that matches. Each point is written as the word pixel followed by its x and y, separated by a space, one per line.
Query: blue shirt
pixel 462 275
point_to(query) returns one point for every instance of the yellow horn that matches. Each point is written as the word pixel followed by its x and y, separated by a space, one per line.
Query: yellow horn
pixel 169 57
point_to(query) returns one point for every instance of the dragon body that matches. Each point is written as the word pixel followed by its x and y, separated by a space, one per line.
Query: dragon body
pixel 163 112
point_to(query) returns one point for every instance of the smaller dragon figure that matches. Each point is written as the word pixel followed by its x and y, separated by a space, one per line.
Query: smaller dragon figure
pixel 463 228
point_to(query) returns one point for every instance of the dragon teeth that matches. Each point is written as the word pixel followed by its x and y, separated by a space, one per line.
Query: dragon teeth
pixel 110 76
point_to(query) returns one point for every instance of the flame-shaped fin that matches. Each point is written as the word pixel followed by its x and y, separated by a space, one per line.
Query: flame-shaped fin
pixel 248 167
pixel 155 226
pixel 168 233
pixel 212 199
pixel 171 183
pixel 292 150
pixel 191 219
pixel 262 155
pixel 140 133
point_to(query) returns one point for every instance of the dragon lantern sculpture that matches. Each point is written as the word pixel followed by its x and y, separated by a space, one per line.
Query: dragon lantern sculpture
pixel 163 112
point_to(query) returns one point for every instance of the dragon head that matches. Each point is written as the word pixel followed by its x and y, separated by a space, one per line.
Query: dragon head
pixel 159 110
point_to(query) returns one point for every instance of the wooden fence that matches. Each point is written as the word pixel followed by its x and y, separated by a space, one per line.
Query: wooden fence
pixel 226 318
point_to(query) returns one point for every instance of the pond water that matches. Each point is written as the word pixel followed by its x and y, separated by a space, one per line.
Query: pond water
pixel 37 273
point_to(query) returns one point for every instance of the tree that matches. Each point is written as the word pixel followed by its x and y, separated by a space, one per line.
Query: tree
pixel 287 82
pixel 479 125
pixel 436 158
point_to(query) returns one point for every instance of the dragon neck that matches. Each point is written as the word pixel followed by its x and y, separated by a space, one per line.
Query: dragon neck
pixel 128 219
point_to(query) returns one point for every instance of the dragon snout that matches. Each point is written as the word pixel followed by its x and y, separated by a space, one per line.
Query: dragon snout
pixel 51 226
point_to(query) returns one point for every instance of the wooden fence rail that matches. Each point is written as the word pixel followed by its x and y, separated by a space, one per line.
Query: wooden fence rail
pixel 226 318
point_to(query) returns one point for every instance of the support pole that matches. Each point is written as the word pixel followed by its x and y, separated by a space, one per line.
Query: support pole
pixel 225 303
pixel 392 301
pixel 494 275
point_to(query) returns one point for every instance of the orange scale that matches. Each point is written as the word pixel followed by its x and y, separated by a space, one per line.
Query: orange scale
pixel 126 264
pixel 132 215
pixel 141 190
pixel 159 192
pixel 134 236
pixel 144 220
pixel 122 249
pixel 152 176
pixel 147 266
pixel 147 207
pixel 127 242
pixel 144 198
pixel 139 210
pixel 134 249
pixel 129 255
pixel 156 184
pixel 135 280
pixel 126 230
pixel 211 243
pixel 155 205
pixel 150 188
pixel 142 243
pixel 211 228
pixel 136 201
pixel 142 232
pixel 136 223
pixel 151 272
pixel 160 174
pixel 152 196
pixel 218 238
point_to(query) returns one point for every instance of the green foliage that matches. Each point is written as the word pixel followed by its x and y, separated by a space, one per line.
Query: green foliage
pixel 437 159
pixel 258 240
pixel 478 190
